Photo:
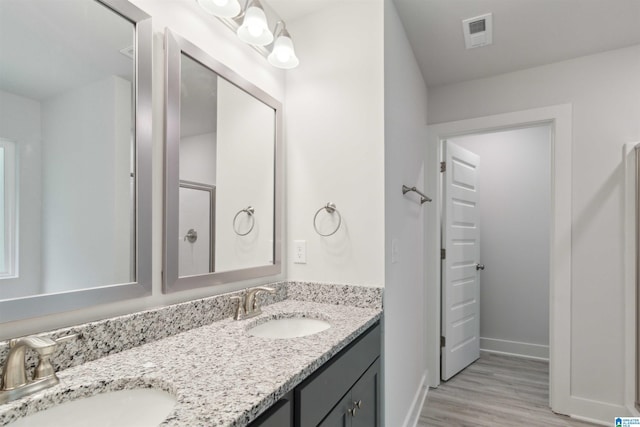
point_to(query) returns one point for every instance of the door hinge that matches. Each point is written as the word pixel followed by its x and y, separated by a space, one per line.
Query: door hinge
pixel 443 166
pixel 443 253
pixel 443 341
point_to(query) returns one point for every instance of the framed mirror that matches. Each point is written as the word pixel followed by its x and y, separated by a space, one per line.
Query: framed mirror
pixel 75 153
pixel 223 139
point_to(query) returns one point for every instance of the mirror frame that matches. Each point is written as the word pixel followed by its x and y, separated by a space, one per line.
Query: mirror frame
pixel 41 305
pixel 175 46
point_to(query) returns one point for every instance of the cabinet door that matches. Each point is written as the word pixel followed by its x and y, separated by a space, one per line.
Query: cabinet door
pixel 365 396
pixel 339 415
pixel 279 415
pixel 361 406
pixel 315 397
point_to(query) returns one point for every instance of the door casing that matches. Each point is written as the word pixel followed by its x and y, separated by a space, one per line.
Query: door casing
pixel 560 119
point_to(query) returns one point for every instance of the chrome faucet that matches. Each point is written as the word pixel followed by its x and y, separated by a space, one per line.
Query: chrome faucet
pixel 248 304
pixel 14 377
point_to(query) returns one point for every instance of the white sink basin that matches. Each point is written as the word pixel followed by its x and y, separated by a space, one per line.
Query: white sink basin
pixel 136 407
pixel 294 327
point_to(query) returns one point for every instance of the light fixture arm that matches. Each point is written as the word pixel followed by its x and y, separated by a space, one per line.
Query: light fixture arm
pixel 283 29
pixel 243 10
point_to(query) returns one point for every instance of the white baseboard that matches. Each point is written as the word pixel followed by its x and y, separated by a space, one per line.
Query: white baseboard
pixel 592 421
pixel 515 348
pixel 418 400
pixel 596 412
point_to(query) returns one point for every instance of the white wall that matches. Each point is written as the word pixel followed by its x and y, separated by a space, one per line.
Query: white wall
pixel 198 158
pixel 605 92
pixel 245 176
pixel 20 122
pixel 515 185
pixel 335 151
pixel 404 298
pixel 86 228
pixel 211 35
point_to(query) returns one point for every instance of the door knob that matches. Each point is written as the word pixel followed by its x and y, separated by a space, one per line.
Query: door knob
pixel 479 266
pixel 191 236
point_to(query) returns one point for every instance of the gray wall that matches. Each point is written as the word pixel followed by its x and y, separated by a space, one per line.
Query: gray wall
pixel 515 185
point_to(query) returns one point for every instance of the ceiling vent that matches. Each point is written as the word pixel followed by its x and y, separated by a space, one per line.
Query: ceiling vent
pixel 478 31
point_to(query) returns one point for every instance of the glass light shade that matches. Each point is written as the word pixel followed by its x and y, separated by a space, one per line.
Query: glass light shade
pixel 221 8
pixel 254 28
pixel 283 55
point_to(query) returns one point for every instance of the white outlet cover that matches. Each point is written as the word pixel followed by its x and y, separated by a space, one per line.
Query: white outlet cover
pixel 299 251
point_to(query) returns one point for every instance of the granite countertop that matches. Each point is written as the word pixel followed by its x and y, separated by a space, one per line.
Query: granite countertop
pixel 220 375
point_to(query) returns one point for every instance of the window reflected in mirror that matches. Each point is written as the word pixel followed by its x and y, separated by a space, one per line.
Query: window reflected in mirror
pixel 8 210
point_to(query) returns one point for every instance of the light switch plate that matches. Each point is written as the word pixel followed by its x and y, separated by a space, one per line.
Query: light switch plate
pixel 395 251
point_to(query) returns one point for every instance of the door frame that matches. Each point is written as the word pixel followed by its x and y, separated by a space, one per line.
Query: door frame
pixel 560 119
pixel 631 161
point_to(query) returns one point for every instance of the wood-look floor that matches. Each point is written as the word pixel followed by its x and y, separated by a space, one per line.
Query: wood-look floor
pixel 495 391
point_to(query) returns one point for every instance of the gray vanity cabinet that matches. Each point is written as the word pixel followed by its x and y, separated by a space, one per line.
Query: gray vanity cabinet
pixel 350 380
pixel 353 375
pixel 361 406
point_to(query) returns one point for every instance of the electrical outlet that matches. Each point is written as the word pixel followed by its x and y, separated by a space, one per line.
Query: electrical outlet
pixel 299 251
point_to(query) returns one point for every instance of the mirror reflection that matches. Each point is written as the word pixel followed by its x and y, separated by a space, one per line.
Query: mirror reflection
pixel 226 197
pixel 221 172
pixel 67 197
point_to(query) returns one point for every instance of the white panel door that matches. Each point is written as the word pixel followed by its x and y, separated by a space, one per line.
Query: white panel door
pixel 460 275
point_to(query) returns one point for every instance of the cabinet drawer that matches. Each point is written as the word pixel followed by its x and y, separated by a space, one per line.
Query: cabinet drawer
pixel 323 389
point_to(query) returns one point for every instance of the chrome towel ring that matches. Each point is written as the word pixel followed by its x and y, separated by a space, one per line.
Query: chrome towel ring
pixel 330 208
pixel 249 211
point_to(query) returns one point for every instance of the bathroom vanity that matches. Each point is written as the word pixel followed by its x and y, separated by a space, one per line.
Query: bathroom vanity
pixel 220 374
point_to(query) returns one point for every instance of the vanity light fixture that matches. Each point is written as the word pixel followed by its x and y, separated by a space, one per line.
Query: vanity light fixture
pixel 255 29
pixel 221 8
pixel 283 54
